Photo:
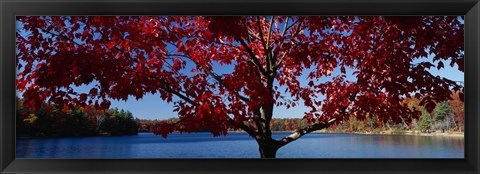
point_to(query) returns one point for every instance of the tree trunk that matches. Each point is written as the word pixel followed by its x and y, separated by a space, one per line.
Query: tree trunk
pixel 268 151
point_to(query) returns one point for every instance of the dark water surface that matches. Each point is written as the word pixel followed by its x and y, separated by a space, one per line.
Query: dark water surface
pixel 240 145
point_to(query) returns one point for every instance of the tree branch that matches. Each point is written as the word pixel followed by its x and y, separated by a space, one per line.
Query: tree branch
pixel 222 82
pixel 270 62
pixel 285 27
pixel 260 32
pixel 270 31
pixel 299 133
pixel 282 58
pixel 167 87
pixel 244 127
pixel 253 58
pixel 257 118
pixel 212 74
pixel 250 33
pixel 265 49
pixel 59 35
pixel 318 126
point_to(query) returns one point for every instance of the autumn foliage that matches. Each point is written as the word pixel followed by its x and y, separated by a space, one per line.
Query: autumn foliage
pixel 229 72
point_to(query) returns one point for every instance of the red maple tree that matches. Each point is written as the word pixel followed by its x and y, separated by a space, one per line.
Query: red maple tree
pixel 179 56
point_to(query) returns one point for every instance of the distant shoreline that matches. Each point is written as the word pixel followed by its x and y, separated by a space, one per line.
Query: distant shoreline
pixel 388 132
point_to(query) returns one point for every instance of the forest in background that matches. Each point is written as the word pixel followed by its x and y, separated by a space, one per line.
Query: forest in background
pixel 53 120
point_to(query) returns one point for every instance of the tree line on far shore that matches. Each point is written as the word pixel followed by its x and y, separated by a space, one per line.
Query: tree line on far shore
pixel 447 116
pixel 53 120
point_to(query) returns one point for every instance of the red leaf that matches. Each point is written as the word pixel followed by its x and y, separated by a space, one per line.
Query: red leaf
pixel 177 64
pixel 440 65
pixel 111 45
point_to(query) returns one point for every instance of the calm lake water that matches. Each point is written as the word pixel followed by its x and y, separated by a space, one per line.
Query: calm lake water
pixel 240 145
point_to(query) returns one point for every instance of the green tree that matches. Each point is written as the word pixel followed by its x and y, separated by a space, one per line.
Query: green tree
pixel 425 121
pixel 76 124
pixel 371 121
pixel 444 116
pixel 119 123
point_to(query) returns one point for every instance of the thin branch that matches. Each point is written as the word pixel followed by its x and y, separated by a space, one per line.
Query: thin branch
pixel 253 58
pixel 285 27
pixel 270 31
pixel 270 58
pixel 167 87
pixel 293 24
pixel 265 49
pixel 251 33
pixel 212 74
pixel 222 82
pixel 282 58
pixel 171 68
pixel 59 35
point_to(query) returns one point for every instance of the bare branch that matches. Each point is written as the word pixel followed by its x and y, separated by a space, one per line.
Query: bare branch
pixel 285 27
pixel 318 126
pixel 299 133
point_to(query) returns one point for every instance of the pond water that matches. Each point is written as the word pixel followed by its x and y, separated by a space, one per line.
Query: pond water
pixel 240 145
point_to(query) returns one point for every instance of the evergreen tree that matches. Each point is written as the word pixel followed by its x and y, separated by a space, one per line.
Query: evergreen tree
pixel 425 121
pixel 444 116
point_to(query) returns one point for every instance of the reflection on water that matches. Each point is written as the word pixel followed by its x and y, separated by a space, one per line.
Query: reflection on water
pixel 240 145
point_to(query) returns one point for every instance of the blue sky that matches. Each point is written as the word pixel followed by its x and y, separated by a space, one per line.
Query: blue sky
pixel 152 107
